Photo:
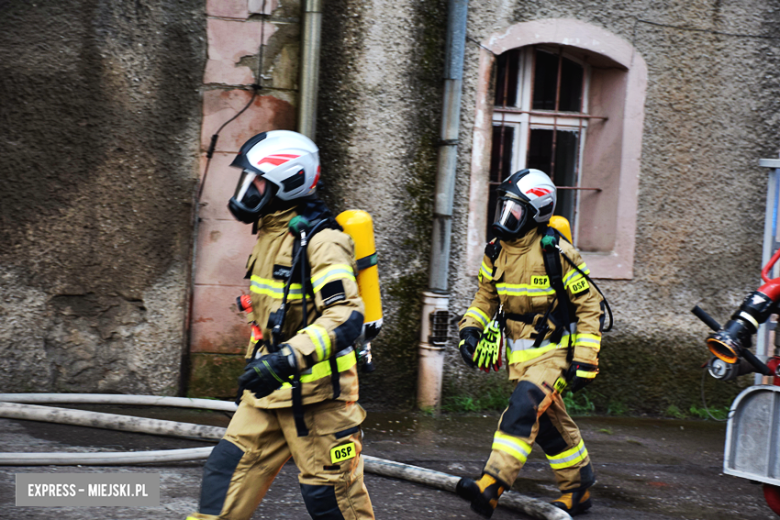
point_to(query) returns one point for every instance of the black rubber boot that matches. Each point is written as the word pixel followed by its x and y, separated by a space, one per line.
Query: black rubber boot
pixel 483 493
pixel 574 502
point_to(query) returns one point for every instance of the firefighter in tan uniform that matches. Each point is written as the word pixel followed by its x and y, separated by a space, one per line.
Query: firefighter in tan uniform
pixel 299 391
pixel 549 344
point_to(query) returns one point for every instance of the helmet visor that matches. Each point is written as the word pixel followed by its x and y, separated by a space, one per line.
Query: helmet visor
pixel 248 203
pixel 244 183
pixel 510 215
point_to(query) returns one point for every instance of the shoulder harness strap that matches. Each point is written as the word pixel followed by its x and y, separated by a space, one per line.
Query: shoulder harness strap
pixel 492 251
pixel 552 266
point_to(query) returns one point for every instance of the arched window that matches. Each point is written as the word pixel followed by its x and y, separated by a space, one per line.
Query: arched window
pixel 540 120
pixel 567 98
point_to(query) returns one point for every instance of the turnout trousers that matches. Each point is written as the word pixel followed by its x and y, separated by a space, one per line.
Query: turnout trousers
pixel 522 424
pixel 259 441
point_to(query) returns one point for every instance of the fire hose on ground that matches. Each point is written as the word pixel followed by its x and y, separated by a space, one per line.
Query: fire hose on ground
pixel 11 407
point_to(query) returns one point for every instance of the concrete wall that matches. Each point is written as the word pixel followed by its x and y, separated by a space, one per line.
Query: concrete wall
pixel 98 160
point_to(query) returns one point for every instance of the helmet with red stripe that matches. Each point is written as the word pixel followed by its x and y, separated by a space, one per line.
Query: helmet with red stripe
pixel 277 168
pixel 526 200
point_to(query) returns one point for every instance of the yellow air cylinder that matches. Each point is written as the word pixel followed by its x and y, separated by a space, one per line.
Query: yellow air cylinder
pixel 360 227
pixel 562 225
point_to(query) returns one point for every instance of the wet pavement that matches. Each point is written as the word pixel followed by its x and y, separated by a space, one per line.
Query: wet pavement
pixel 647 469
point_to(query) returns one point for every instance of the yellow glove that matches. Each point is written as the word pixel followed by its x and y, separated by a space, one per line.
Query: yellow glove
pixel 487 355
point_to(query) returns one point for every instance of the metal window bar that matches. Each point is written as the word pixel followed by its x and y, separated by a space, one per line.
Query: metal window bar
pixel 555 116
pixel 579 115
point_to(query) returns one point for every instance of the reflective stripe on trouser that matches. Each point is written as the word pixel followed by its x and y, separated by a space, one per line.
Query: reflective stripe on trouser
pixel 259 441
pixel 555 432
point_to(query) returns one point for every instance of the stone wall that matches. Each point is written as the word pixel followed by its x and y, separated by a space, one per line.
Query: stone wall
pixel 237 31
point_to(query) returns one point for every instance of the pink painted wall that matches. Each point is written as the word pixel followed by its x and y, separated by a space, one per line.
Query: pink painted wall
pixel 223 244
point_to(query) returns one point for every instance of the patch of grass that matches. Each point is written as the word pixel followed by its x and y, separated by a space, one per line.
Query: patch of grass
pixel 430 411
pixel 605 430
pixel 617 408
pixel 673 411
pixel 717 413
pixel 460 403
pixel 578 404
pixel 493 399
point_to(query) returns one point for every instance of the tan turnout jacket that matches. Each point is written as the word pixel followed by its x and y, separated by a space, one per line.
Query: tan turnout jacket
pixel 334 316
pixel 518 281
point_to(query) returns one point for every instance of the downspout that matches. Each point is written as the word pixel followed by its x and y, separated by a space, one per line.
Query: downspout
pixel 310 68
pixel 435 316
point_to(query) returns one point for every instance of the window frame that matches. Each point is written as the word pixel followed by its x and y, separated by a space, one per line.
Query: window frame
pixel 614 154
pixel 523 118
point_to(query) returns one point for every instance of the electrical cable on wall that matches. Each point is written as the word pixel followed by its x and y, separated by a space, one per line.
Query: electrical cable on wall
pixel 256 87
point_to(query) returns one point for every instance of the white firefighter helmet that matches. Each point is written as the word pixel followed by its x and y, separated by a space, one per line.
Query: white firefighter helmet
pixel 526 199
pixel 290 164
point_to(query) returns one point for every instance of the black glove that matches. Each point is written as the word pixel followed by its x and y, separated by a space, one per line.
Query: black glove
pixel 469 338
pixel 266 374
pixel 579 375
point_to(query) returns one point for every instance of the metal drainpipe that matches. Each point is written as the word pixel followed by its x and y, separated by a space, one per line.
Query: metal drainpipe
pixel 310 68
pixel 435 316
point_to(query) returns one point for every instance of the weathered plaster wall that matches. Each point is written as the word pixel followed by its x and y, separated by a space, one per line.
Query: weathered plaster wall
pixel 98 161
pixel 710 115
pixel 99 156
pixel 377 128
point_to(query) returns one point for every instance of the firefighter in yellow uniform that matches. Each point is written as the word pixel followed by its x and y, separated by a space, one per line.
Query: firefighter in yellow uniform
pixel 299 390
pixel 550 342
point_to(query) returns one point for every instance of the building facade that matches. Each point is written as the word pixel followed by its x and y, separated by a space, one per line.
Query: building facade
pixel 660 110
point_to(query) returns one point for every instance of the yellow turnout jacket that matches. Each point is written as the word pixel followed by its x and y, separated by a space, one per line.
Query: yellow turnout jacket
pixel 334 315
pixel 519 282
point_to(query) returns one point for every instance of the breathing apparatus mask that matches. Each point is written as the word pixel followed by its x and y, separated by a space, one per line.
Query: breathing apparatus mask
pixel 247 203
pixel 511 218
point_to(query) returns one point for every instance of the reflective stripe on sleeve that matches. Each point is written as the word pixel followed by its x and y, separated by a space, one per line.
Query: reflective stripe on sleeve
pixel 345 360
pixel 478 315
pixel 514 446
pixel 321 339
pixel 333 272
pixel 574 275
pixel 569 457
pixel 486 272
pixel 588 340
